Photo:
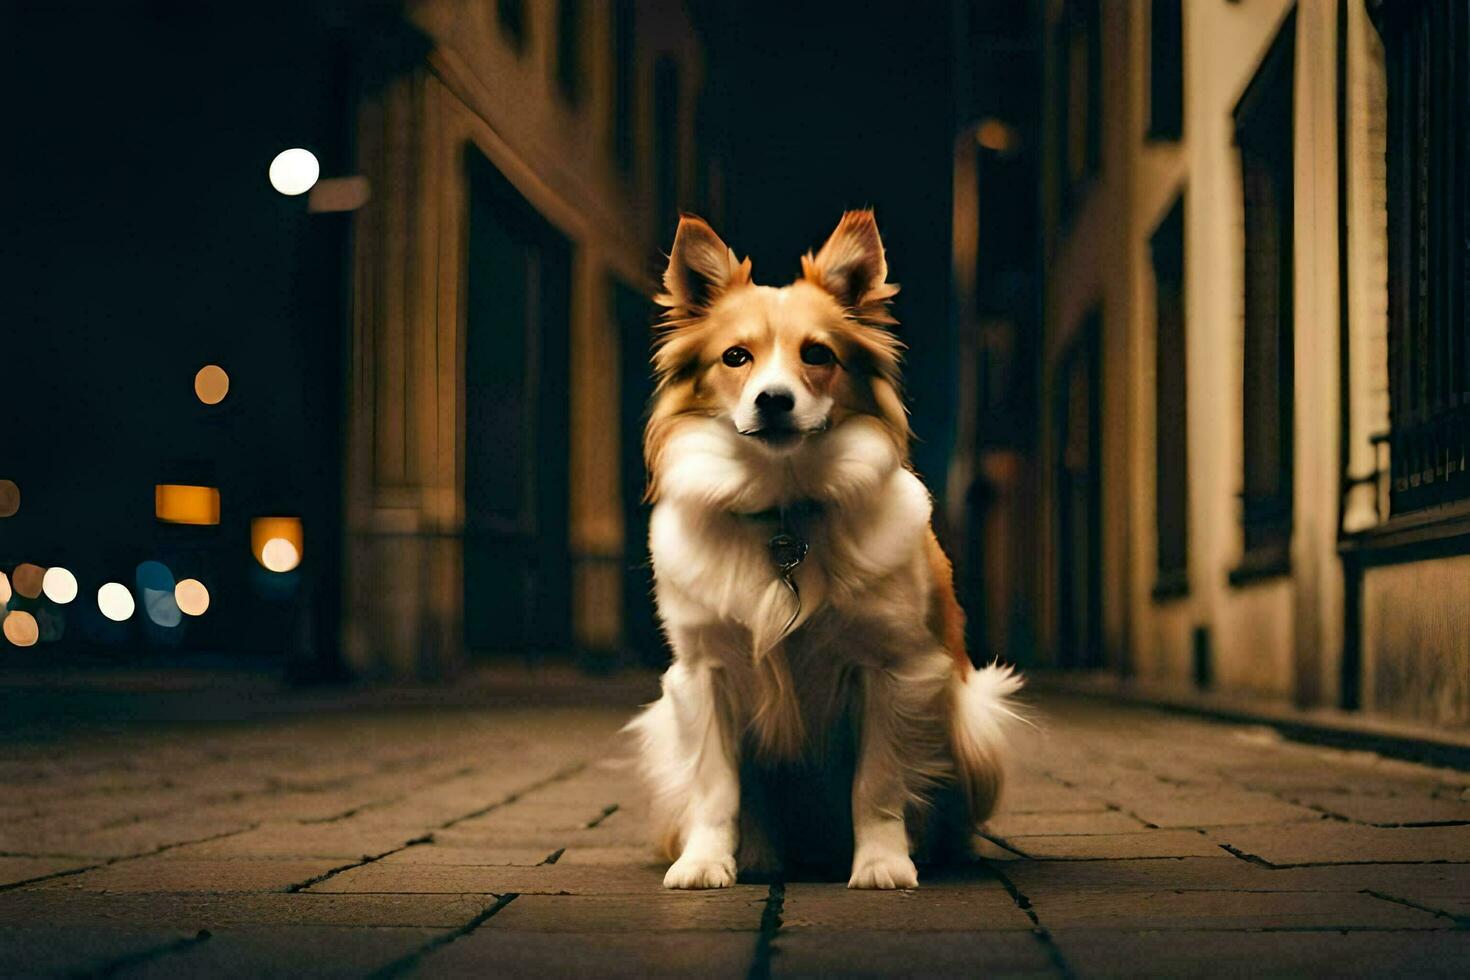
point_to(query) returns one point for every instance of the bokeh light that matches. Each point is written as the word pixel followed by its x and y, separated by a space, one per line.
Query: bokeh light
pixel 21 629
pixel 993 134
pixel 9 498
pixel 4 591
pixel 178 503
pixel 211 384
pixel 279 555
pixel 277 542
pixel 116 602
pixel 28 580
pixel 162 609
pixel 59 585
pixel 294 171
pixel 191 597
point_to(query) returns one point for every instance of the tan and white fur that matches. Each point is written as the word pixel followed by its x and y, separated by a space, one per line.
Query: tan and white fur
pixel 776 397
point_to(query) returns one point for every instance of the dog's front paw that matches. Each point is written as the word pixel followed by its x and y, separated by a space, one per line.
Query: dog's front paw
pixel 697 871
pixel 883 869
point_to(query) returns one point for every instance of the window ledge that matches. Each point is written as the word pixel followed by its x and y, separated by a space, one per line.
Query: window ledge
pixel 1261 564
pixel 1433 532
pixel 1171 585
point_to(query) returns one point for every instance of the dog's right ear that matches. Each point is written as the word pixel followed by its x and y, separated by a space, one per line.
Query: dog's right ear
pixel 701 267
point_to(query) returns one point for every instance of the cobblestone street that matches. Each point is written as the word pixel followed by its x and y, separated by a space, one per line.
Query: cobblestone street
pixel 445 840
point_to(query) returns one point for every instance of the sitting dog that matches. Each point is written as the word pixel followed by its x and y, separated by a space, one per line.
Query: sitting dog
pixel 821 706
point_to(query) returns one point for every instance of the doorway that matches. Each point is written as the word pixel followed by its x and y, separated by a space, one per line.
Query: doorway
pixel 1078 445
pixel 517 563
pixel 634 314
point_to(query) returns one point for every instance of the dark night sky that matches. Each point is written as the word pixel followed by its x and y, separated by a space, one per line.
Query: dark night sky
pixel 825 106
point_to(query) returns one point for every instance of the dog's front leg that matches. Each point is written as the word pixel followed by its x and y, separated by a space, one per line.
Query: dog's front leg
pixel 708 827
pixel 898 713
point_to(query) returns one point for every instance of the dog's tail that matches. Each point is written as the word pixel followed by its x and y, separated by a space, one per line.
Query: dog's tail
pixel 984 713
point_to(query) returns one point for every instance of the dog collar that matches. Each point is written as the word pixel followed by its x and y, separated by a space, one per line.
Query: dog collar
pixel 784 514
pixel 787 546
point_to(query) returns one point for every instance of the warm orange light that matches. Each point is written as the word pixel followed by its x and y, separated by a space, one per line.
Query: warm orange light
pixel 277 542
pixel 4 591
pixel 28 579
pixel 192 597
pixel 9 498
pixel 21 628
pixel 211 384
pixel 178 503
pixel 996 135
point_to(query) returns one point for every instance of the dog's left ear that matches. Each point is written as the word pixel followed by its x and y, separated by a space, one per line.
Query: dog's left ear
pixel 851 265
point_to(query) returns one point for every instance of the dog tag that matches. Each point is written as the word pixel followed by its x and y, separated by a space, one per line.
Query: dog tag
pixel 787 551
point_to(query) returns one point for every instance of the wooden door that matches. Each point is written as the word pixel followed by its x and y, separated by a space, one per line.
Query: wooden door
pixel 517 566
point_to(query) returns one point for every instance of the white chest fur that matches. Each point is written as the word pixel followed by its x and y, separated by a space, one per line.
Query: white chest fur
pixel 713 566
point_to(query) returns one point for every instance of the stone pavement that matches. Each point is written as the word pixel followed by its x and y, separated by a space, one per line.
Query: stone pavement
pixel 447 840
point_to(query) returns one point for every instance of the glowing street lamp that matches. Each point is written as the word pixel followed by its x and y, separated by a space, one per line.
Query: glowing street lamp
pixel 294 171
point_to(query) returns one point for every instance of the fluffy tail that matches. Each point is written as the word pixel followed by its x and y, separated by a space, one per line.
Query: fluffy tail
pixel 980 725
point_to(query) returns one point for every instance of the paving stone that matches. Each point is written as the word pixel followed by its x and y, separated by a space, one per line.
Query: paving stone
pixel 188 913
pixel 1051 797
pixel 1062 824
pixel 1201 809
pixel 980 905
pixel 289 951
pixel 1175 953
pixel 1093 847
pixel 45 949
pixel 501 952
pixel 1389 810
pixel 470 856
pixel 1040 879
pixel 522 815
pixel 738 908
pixel 17 869
pixel 1331 842
pixel 1227 910
pixel 343 841
pixel 552 879
pixel 157 874
pixel 636 855
pixel 809 953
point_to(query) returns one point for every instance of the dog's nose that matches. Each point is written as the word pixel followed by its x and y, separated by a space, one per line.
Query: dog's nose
pixel 775 401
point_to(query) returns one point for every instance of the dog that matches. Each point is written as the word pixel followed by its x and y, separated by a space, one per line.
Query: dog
pixel 820 707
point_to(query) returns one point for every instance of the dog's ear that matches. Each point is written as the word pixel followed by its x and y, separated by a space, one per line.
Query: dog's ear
pixel 701 267
pixel 851 265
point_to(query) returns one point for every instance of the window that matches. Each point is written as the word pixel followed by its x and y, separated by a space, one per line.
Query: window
pixel 1428 330
pixel 1166 70
pixel 1263 131
pixel 623 66
pixel 1171 404
pixel 569 48
pixel 1079 55
pixel 512 17
pixel 666 131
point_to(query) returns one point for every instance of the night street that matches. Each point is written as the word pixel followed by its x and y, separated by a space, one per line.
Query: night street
pixel 343 835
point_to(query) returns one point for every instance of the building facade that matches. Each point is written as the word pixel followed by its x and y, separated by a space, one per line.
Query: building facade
pixel 526 159
pixel 1252 445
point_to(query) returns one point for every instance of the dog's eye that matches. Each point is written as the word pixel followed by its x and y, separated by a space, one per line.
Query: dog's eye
pixel 736 356
pixel 818 354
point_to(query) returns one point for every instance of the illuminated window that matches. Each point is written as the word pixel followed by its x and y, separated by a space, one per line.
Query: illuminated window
pixel 277 542
pixel 177 503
